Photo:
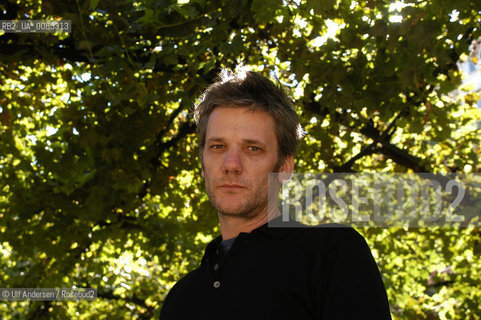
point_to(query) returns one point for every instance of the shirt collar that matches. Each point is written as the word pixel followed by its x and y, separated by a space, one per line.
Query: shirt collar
pixel 275 228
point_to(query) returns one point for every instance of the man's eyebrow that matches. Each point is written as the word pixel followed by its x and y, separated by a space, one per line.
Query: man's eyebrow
pixel 245 141
pixel 215 139
pixel 253 141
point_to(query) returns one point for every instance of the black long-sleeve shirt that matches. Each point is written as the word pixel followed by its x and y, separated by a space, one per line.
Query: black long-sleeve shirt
pixel 323 273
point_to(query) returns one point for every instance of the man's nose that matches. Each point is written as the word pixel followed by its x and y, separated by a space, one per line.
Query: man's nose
pixel 232 162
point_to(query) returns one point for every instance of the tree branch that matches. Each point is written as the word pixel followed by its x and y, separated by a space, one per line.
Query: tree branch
pixel 133 299
pixel 394 153
pixel 371 148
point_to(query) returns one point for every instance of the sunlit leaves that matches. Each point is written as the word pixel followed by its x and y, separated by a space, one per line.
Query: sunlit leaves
pixel 100 183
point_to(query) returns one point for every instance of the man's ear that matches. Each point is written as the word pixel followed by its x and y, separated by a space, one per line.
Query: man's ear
pixel 202 172
pixel 286 170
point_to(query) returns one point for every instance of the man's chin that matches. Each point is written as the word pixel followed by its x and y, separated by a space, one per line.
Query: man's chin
pixel 236 212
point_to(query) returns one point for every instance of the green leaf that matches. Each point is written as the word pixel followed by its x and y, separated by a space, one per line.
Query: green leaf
pixel 93 4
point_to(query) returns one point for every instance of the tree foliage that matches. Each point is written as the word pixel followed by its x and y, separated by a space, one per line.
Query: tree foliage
pixel 99 173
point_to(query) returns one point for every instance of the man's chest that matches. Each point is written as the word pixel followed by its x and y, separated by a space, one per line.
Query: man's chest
pixel 250 284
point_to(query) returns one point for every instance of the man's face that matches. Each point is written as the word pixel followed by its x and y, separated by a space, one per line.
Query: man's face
pixel 240 150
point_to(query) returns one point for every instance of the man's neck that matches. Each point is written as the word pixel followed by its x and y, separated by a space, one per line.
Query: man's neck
pixel 230 226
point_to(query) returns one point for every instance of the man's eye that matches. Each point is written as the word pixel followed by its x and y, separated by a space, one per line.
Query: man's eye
pixel 217 146
pixel 253 148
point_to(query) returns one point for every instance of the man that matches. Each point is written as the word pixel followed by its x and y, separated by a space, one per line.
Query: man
pixel 248 128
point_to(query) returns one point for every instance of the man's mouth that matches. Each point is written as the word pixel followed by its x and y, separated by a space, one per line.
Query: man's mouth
pixel 231 186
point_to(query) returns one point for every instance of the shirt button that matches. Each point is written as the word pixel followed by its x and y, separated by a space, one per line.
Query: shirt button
pixel 216 284
pixel 216 267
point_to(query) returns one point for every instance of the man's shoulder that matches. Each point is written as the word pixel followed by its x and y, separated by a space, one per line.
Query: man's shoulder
pixel 330 232
pixel 184 290
pixel 299 239
pixel 186 281
pixel 190 278
pixel 330 235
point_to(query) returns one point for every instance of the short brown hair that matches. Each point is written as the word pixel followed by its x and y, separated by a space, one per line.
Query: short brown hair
pixel 251 89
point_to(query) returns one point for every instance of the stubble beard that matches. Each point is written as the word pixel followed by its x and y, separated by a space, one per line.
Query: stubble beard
pixel 248 208
pixel 255 203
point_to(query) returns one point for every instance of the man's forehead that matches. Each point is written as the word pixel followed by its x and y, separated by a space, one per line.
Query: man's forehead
pixel 247 124
pixel 242 117
pixel 234 114
pixel 239 109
